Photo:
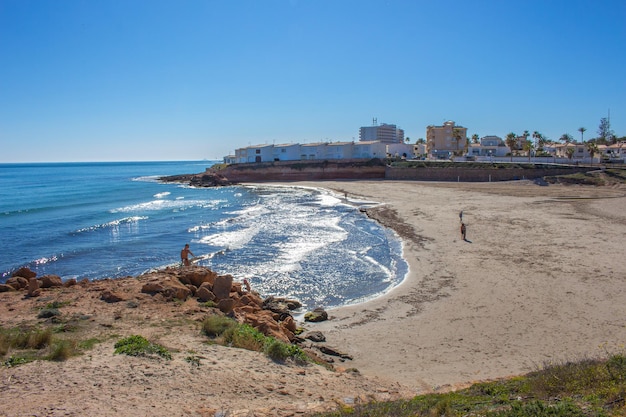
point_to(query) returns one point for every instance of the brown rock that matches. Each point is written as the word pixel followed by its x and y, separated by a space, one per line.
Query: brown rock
pixel 49 281
pixel 24 272
pixel 17 283
pixel 70 282
pixel 6 288
pixel 226 305
pixel 222 286
pixel 290 324
pixel 33 287
pixel 153 287
pixel 204 294
pixel 111 297
pixel 196 276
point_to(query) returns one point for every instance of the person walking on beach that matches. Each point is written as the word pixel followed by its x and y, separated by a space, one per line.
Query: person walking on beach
pixel 463 230
pixel 184 255
pixel 461 216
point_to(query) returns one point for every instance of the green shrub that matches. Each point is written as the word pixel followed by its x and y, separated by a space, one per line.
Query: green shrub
pixel 139 346
pixel 215 325
pixel 244 336
pixel 280 351
pixel 61 350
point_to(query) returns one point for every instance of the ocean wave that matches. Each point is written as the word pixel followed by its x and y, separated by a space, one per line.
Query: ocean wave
pixel 162 195
pixel 161 204
pixel 235 239
pixel 114 223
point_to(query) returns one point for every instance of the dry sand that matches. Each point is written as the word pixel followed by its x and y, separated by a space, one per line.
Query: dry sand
pixel 541 278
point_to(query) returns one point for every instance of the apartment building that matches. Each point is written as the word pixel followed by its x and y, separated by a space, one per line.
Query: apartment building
pixel 443 141
pixel 385 133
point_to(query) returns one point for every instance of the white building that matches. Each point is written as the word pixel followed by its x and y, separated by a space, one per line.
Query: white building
pixel 386 133
pixel 488 146
pixel 309 152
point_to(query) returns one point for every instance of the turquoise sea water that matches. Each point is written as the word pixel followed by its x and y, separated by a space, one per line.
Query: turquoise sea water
pixel 99 220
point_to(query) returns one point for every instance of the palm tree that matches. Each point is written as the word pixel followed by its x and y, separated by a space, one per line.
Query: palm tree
pixel 528 147
pixel 456 133
pixel 566 138
pixel 592 148
pixel 569 152
pixel 511 142
pixel 475 138
pixel 582 134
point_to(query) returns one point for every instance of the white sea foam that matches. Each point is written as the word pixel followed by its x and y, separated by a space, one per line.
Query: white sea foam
pixel 235 239
pixel 160 204
pixel 113 224
pixel 162 195
pixel 43 261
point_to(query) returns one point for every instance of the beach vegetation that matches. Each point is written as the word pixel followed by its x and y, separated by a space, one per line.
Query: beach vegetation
pixel 228 332
pixel 587 387
pixel 136 345
pixel 22 345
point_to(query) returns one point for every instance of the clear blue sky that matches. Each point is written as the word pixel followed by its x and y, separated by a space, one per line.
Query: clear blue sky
pixel 115 80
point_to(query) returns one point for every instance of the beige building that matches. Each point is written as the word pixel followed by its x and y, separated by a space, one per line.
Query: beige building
pixel 446 140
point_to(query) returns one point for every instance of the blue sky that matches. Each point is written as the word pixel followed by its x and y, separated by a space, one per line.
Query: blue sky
pixel 174 80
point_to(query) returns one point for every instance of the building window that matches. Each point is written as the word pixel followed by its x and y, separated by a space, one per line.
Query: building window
pixel 258 151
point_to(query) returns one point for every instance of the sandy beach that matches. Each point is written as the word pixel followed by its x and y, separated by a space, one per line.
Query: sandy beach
pixel 540 278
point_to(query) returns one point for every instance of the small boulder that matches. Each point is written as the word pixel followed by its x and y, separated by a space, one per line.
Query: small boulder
pixel 317 315
pixel 24 272
pixel 226 305
pixel 204 294
pixel 6 288
pixel 315 336
pixel 49 281
pixel 111 297
pixel 33 287
pixel 222 286
pixel 18 283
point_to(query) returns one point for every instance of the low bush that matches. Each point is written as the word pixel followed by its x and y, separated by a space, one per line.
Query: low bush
pixel 244 336
pixel 139 346
pixel 215 325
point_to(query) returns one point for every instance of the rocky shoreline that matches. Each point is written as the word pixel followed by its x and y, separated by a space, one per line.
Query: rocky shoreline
pixel 214 294
pixel 202 378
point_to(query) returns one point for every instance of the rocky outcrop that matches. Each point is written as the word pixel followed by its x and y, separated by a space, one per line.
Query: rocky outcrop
pixel 214 294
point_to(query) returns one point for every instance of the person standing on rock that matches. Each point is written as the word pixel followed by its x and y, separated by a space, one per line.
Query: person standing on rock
pixel 184 255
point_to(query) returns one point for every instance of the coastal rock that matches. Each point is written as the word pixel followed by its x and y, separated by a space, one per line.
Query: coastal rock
pixel 111 297
pixel 6 288
pixel 333 352
pixel 196 276
pixel 250 299
pixel 222 286
pixel 170 288
pixel 226 305
pixel 24 272
pixel 70 282
pixel 280 305
pixel 204 294
pixel 33 287
pixel 317 315
pixel 315 336
pixel 18 283
pixel 49 281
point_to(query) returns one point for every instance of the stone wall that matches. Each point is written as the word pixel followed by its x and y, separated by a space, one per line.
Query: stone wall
pixel 476 174
pixel 304 171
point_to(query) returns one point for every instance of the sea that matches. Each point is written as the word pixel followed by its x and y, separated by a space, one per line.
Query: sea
pixel 116 219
